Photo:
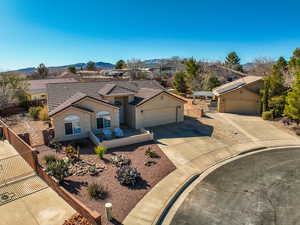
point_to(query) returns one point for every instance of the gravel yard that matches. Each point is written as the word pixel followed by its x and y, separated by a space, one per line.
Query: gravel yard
pixel 122 197
pixel 23 123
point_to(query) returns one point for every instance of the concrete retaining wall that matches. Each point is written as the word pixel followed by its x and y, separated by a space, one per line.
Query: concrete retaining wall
pixel 146 136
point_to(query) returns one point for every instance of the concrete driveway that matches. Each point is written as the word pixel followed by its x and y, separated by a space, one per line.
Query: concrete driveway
pixel 186 141
pixel 254 127
pixel 191 139
pixel 194 146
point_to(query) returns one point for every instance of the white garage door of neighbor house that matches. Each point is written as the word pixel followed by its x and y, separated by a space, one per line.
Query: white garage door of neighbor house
pixel 157 117
pixel 242 107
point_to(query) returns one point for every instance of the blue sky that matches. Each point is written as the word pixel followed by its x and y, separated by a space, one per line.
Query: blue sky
pixel 64 32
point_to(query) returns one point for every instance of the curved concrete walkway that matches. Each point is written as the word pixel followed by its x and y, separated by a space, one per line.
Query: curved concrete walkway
pixel 194 155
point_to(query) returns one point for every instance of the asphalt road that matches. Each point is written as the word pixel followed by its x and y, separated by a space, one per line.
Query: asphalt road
pixel 260 189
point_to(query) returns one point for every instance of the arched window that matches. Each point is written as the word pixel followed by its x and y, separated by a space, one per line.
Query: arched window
pixel 72 125
pixel 103 120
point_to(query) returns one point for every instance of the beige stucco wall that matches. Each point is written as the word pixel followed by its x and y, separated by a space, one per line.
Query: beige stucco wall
pixel 128 140
pixel 162 101
pixel 131 116
pixel 59 126
pixel 239 101
pixel 97 106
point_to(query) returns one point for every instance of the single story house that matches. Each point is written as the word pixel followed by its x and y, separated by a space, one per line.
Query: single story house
pixel 78 108
pixel 202 94
pixel 240 96
pixel 37 89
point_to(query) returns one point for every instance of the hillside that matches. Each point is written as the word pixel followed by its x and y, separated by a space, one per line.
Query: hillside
pixel 29 70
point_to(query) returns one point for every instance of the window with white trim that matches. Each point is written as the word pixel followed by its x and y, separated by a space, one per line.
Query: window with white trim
pixel 103 120
pixel 72 125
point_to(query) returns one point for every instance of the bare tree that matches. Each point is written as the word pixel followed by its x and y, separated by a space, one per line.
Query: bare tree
pixel 261 66
pixel 134 65
pixel 12 88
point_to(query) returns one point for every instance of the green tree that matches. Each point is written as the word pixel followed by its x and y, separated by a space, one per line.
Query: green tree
pixel 179 82
pixel 91 65
pixel 232 61
pixel 192 68
pixel 265 94
pixel 274 92
pixel 72 69
pixel 292 106
pixel 42 71
pixel 277 104
pixel 282 64
pixel 212 83
pixel 294 63
pixel 121 64
pixel 195 80
pixel 277 79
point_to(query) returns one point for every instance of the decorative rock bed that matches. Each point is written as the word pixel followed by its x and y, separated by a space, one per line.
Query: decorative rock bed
pixel 83 167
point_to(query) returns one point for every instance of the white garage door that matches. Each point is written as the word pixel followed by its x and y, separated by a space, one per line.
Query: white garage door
pixel 157 117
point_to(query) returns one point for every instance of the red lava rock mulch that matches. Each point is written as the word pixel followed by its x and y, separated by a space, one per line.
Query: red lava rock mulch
pixel 77 219
pixel 123 198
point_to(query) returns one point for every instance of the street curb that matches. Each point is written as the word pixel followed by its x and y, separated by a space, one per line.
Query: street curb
pixel 175 197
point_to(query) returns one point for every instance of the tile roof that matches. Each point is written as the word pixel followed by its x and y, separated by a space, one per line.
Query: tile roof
pixel 146 93
pixel 236 84
pixel 68 102
pixel 40 86
pixel 61 95
pixel 113 89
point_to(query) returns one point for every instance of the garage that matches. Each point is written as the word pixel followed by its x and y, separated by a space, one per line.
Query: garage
pixel 240 96
pixel 242 107
pixel 160 116
pixel 159 110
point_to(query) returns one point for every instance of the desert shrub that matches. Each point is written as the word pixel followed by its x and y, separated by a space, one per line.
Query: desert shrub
pixel 150 163
pixel 100 151
pixel 150 153
pixel 267 115
pixel 55 144
pixel 127 175
pixel 72 152
pixel 34 112
pixel 297 130
pixel 120 160
pixel 43 114
pixel 49 158
pixel 96 191
pixel 58 169
pixel 93 171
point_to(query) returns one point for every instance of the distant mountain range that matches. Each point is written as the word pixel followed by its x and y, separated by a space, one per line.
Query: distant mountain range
pixel 104 65
pixel 29 70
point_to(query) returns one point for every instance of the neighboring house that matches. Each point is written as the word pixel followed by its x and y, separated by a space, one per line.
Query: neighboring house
pixel 240 96
pixel 78 108
pixel 37 89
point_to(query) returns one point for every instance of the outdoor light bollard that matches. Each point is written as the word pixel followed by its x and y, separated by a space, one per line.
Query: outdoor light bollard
pixel 108 210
